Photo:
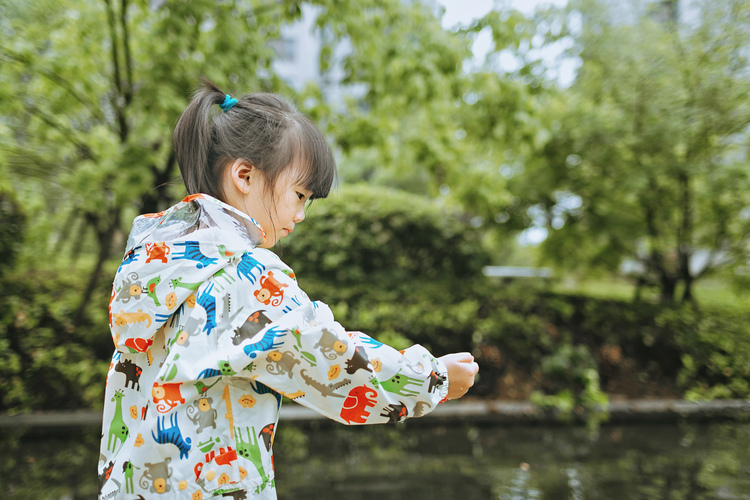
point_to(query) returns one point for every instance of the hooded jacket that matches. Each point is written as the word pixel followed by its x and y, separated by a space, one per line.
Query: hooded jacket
pixel 210 330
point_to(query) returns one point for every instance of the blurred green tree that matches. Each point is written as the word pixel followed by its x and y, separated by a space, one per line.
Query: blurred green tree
pixel 91 90
pixel 648 163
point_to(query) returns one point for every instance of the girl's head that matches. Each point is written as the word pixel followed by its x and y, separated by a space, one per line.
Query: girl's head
pixel 252 155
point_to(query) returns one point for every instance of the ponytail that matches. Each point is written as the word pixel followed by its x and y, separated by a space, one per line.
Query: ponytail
pixel 261 128
pixel 193 141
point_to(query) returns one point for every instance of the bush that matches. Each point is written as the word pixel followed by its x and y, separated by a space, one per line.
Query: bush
pixel 384 238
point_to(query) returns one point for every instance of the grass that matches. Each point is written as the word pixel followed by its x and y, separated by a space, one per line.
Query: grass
pixel 711 293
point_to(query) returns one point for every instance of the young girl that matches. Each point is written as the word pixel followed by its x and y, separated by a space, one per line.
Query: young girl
pixel 211 329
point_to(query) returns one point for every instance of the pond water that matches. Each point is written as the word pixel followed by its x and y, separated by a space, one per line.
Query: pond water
pixel 454 461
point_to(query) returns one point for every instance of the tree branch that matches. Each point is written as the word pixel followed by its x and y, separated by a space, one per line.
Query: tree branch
pixel 117 105
pixel 128 94
pixel 83 148
pixel 54 78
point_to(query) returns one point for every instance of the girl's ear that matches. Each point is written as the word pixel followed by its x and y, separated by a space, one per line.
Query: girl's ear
pixel 242 175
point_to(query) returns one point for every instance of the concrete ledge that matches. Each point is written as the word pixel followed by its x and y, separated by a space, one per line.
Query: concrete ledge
pixel 489 412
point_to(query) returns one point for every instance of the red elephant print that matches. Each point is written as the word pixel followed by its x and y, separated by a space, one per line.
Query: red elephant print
pixel 356 404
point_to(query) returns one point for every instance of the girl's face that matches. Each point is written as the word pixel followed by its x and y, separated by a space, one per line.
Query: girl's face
pixel 278 210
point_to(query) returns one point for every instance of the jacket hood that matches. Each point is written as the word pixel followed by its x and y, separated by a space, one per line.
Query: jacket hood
pixel 168 256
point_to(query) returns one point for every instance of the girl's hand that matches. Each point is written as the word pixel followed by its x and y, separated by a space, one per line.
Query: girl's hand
pixel 461 371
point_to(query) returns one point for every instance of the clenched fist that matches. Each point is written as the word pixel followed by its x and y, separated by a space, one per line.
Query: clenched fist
pixel 461 372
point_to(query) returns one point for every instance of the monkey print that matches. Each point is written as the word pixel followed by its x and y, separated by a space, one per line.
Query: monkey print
pixel 271 290
pixel 155 477
pixel 281 363
pixel 131 288
pixel 201 414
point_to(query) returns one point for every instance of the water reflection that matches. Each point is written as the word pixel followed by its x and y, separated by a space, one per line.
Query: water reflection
pixel 675 461
pixel 414 462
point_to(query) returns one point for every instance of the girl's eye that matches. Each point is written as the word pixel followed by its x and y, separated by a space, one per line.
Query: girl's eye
pixel 300 196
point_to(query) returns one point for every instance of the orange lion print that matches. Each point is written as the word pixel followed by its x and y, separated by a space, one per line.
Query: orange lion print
pixel 157 251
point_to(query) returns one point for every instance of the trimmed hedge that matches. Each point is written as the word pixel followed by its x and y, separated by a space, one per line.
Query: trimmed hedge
pixel 382 237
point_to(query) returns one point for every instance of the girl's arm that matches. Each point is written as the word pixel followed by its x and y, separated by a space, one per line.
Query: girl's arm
pixel 304 354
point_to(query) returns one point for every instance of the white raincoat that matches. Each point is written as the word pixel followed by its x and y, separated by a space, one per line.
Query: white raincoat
pixel 210 330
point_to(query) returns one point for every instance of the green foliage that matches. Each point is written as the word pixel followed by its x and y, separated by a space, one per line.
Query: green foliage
pixel 716 353
pixel 650 162
pixel 12 222
pixel 46 361
pixel 384 238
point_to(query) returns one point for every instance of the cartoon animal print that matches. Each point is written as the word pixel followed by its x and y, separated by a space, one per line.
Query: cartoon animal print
pixel 247 265
pixel 208 302
pixel 131 289
pixel 226 311
pixel 124 318
pixel 366 339
pixel 167 396
pixel 138 345
pixel 225 276
pixel 127 471
pixel 419 409
pixel 131 371
pixel 192 251
pixel 201 413
pixel 157 251
pixel 224 369
pixel 228 405
pixel 325 390
pixel 155 477
pixel 118 431
pixel 261 388
pixel 330 345
pixel 235 494
pixel 105 475
pixel 435 381
pixel 266 433
pixel 266 343
pixel 177 283
pixel 281 363
pixel 359 361
pixel 250 450
pixel 395 413
pixel 203 388
pixel 129 258
pixel 151 289
pixel 171 434
pixel 192 329
pixel 225 457
pixel 307 356
pixel 397 384
pixel 271 290
pixel 356 404
pixel 255 323
pixel 169 368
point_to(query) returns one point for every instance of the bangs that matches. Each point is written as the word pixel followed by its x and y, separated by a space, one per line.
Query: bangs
pixel 313 157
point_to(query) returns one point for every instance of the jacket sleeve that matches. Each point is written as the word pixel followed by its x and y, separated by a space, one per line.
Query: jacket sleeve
pixel 304 354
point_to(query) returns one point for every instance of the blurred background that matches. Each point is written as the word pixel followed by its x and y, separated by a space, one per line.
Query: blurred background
pixel 560 188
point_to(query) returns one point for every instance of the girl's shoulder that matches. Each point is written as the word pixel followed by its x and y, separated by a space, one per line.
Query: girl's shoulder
pixel 268 259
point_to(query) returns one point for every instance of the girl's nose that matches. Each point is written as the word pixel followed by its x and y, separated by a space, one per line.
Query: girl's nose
pixel 299 216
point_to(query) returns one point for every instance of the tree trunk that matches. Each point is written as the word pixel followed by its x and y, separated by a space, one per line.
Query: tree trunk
pixel 105 238
pixel 667 286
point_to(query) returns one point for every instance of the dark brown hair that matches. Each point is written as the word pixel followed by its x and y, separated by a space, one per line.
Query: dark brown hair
pixel 262 128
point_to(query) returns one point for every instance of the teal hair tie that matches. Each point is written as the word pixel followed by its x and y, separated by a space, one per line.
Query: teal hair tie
pixel 228 103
